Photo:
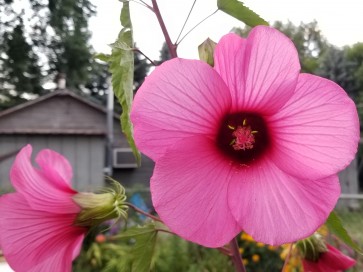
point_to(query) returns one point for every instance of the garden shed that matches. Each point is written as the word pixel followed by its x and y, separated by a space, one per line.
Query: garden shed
pixel 75 127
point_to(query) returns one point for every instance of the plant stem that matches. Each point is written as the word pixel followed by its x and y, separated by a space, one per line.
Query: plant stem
pixel 194 27
pixel 138 50
pixel 142 3
pixel 225 251
pixel 186 20
pixel 172 47
pixel 136 209
pixel 236 256
pixel 166 231
pixel 287 258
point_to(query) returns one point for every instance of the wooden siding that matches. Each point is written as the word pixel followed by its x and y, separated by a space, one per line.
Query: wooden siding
pixel 135 177
pixel 349 185
pixel 85 153
pixel 57 115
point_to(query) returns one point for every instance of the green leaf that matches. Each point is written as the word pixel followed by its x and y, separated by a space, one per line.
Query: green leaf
pixel 239 11
pixel 103 57
pixel 122 70
pixel 206 51
pixel 140 255
pixel 120 45
pixel 335 226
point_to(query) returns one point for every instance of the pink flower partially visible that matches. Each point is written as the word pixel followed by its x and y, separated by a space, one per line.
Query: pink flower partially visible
pixel 250 144
pixel 331 261
pixel 37 222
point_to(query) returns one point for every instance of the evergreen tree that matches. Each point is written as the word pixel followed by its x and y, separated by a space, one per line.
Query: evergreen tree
pixel 164 53
pixel 37 44
pixel 307 38
pixel 336 66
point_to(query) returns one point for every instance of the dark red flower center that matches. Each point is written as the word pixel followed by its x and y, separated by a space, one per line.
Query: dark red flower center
pixel 243 137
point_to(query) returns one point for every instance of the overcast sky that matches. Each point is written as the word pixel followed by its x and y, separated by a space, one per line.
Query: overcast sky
pixel 341 22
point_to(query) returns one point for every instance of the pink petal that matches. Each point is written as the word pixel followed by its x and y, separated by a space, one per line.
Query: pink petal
pixel 41 188
pixel 275 208
pixel 179 99
pixel 56 166
pixel 316 134
pixel 336 259
pixel 261 71
pixel 189 192
pixel 229 56
pixel 37 240
pixel 331 261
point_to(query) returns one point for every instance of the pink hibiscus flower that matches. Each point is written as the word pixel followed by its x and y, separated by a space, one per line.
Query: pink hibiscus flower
pixel 44 222
pixel 250 144
pixel 37 222
pixel 331 261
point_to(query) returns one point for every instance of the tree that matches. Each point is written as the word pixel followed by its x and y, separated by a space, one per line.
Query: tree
pixel 19 69
pixel 336 66
pixel 164 53
pixel 307 38
pixel 56 41
pixel 355 55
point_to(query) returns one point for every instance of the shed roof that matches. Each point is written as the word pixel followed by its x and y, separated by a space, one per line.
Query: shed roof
pixel 60 112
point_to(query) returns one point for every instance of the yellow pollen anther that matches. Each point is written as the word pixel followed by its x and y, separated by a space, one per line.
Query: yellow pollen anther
pixel 244 121
pixel 232 142
pixel 254 131
pixel 231 127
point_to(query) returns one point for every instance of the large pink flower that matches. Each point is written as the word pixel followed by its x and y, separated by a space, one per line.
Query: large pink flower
pixel 331 261
pixel 37 231
pixel 249 145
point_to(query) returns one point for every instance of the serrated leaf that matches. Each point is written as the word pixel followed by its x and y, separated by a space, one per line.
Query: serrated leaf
pixel 140 255
pixel 120 45
pixel 206 51
pixel 103 57
pixel 335 226
pixel 122 70
pixel 239 11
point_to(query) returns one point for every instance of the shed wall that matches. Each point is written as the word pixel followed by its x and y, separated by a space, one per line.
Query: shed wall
pixel 85 153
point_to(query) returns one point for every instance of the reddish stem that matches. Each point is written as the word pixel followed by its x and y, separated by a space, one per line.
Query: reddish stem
pixel 236 256
pixel 172 47
pixel 287 258
pixel 225 251
pixel 136 209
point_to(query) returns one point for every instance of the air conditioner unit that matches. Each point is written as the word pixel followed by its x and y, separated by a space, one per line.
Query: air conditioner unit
pixel 124 158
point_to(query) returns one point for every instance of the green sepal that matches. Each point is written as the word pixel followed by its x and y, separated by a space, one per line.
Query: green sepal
pixel 98 208
pixel 311 248
pixel 239 11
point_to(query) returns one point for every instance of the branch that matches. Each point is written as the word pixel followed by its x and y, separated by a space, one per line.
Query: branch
pixel 136 209
pixel 172 47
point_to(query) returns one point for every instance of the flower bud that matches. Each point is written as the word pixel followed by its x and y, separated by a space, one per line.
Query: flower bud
pixel 311 248
pixel 97 208
pixel 206 51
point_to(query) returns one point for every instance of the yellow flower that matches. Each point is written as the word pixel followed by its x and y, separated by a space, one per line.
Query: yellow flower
pixel 255 258
pixel 245 261
pixel 285 251
pixel 246 237
pixel 272 248
pixel 241 250
pixel 260 244
pixel 283 255
pixel 323 231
